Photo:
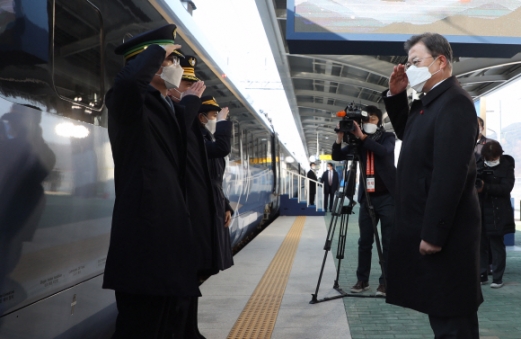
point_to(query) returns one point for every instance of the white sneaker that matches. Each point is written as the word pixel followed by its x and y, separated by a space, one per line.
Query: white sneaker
pixel 496 285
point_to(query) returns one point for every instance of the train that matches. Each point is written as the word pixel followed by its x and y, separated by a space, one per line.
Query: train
pixel 56 167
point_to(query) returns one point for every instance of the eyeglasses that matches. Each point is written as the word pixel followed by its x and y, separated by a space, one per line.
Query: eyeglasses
pixel 416 62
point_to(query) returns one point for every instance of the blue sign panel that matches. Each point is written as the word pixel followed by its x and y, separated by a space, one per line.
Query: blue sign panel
pixel 475 28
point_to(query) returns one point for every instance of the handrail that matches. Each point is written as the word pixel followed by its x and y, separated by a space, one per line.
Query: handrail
pixel 302 189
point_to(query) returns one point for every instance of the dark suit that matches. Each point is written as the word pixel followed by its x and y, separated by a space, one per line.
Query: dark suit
pixel 436 201
pixel 152 248
pixel 329 189
pixel 217 148
pixel 312 187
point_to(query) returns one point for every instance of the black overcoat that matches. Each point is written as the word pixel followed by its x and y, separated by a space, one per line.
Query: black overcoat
pixel 325 180
pixel 435 200
pixel 383 150
pixel 496 209
pixel 152 243
pixel 217 147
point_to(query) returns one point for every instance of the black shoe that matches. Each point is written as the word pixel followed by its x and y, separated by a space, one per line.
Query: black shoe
pixel 360 286
pixel 380 291
pixel 484 279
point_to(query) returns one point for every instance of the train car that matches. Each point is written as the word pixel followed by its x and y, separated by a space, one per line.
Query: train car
pixel 56 167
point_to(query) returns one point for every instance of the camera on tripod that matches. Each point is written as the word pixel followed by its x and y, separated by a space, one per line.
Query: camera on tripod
pixel 349 115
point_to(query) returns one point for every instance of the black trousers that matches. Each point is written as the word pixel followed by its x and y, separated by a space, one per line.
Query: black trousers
pixel 312 192
pixel 466 327
pixel 329 196
pixel 150 317
pixel 495 245
pixel 384 212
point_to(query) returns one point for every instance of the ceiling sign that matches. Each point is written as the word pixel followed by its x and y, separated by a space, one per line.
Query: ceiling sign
pixel 475 28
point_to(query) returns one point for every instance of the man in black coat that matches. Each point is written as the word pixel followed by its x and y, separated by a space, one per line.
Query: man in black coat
pixel 200 193
pixel 495 182
pixel 434 252
pixel 217 132
pixel 376 150
pixel 152 262
pixel 330 180
pixel 312 185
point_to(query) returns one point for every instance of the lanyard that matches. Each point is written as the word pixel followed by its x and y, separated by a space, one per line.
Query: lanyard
pixel 369 171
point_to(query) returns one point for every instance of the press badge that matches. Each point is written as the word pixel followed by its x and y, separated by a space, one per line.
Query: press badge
pixel 370 185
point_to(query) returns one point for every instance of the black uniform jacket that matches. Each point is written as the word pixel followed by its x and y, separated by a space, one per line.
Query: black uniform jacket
pixel 383 150
pixel 217 148
pixel 435 200
pixel 496 209
pixel 312 185
pixel 325 180
pixel 152 244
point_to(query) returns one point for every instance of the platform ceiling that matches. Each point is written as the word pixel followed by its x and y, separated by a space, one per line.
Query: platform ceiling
pixel 320 85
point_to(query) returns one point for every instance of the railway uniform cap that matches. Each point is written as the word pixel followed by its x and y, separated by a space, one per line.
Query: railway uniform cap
pixel 208 104
pixel 160 36
pixel 189 63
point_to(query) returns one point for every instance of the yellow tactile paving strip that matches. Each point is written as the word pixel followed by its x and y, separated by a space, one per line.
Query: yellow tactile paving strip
pixel 258 317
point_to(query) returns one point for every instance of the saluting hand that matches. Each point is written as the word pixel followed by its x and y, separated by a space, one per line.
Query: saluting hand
pixel 170 48
pixel 223 114
pixel 398 81
pixel 427 248
pixel 196 89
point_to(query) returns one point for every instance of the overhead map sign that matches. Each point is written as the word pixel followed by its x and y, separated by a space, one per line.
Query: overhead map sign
pixel 379 27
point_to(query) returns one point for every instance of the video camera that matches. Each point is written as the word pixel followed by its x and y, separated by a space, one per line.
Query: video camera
pixel 349 115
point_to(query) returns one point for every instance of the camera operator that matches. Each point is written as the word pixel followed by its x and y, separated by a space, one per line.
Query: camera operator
pixel 494 184
pixel 376 151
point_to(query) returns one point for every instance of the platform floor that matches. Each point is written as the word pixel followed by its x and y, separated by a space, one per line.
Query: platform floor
pixel 226 294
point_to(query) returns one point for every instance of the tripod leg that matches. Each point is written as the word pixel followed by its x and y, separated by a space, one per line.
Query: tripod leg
pixel 372 214
pixel 344 211
pixel 337 206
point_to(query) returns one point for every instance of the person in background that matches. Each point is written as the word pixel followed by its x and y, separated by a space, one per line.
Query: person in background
pixel 434 252
pixel 312 185
pixel 482 140
pixel 377 151
pixel 495 182
pixel 330 180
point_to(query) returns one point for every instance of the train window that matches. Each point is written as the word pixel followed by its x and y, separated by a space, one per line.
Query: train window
pixel 78 73
pixel 235 152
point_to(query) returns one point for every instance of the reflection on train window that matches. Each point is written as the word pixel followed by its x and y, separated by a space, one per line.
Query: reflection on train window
pixel 77 58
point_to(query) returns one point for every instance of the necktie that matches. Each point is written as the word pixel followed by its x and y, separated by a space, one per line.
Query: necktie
pixel 330 177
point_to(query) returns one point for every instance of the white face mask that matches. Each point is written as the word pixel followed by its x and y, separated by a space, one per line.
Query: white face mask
pixel 492 163
pixel 313 168
pixel 370 128
pixel 211 125
pixel 418 76
pixel 172 75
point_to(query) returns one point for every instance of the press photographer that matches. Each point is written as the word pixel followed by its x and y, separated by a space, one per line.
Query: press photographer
pixel 375 147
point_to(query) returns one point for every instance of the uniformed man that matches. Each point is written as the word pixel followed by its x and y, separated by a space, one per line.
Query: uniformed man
pixel 217 132
pixel 188 64
pixel 200 195
pixel 153 260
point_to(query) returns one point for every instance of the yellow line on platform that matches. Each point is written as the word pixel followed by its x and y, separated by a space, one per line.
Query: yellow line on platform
pixel 258 317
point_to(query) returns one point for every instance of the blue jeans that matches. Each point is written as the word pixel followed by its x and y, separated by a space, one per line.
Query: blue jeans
pixel 384 213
